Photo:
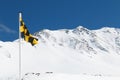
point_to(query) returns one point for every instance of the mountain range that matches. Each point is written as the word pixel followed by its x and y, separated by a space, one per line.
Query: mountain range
pixel 78 51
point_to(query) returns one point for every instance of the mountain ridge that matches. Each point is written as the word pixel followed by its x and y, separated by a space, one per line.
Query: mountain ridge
pixel 81 35
pixel 69 51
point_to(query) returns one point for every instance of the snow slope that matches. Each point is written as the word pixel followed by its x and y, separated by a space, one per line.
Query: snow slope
pixel 64 54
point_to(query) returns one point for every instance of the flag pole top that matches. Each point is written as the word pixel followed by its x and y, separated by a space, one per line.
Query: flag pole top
pixel 20 14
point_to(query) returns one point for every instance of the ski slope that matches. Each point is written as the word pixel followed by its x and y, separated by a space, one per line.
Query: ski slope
pixel 76 54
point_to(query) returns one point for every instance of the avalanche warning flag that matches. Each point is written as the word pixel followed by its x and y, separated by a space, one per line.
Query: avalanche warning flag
pixel 25 33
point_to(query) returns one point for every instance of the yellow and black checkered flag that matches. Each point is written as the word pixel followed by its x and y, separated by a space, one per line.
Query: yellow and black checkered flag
pixel 25 33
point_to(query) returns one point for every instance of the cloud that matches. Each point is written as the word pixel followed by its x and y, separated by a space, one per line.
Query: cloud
pixel 4 28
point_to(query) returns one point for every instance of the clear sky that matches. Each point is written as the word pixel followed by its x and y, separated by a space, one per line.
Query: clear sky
pixel 57 14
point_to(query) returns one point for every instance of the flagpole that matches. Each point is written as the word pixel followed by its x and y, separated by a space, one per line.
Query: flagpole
pixel 20 17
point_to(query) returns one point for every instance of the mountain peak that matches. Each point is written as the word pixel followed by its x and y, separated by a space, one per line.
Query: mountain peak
pixel 81 28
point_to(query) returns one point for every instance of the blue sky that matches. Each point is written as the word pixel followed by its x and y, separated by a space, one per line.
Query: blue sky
pixel 57 14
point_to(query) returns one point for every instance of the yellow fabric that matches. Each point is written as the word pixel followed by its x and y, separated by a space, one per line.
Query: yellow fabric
pixel 27 38
pixel 21 28
pixel 35 41
pixel 30 35
pixel 25 31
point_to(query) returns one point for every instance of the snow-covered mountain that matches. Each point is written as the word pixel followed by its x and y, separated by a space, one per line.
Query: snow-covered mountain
pixel 74 52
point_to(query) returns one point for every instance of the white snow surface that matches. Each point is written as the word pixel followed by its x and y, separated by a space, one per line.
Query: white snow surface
pixel 76 54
